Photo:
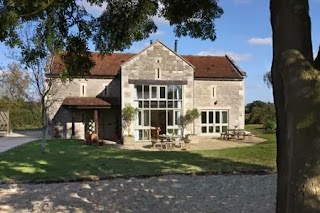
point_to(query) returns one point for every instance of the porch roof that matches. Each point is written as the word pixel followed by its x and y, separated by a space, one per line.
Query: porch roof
pixel 86 102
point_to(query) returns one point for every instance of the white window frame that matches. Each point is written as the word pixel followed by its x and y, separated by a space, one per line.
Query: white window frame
pixel 214 124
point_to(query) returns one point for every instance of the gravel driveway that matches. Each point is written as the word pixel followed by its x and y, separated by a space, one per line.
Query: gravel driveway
pixel 173 193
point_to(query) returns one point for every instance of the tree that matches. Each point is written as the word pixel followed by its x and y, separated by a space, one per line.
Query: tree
pixel 129 113
pixel 296 89
pixel 38 60
pixel 188 118
pixel 14 82
pixel 68 25
pixel 267 78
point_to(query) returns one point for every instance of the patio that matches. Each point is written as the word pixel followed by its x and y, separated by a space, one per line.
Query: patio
pixel 205 143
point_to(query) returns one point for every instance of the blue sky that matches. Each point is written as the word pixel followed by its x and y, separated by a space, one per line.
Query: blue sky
pixel 243 32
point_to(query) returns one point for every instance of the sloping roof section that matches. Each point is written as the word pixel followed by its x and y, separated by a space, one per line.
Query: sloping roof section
pixel 204 66
pixel 214 67
pixel 86 102
pixel 107 65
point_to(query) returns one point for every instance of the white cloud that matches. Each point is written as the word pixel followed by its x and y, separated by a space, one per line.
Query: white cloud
pixel 260 41
pixel 235 56
pixel 93 9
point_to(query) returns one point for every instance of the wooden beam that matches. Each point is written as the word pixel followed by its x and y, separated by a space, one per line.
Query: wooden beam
pixel 96 121
pixel 72 128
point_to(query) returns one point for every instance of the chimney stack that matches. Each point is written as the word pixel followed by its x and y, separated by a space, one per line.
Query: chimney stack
pixel 176 45
pixel 151 42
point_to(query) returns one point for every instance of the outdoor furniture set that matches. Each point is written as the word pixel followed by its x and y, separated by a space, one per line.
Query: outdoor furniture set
pixel 237 134
pixel 167 141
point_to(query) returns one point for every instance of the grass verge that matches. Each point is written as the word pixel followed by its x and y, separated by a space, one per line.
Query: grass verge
pixel 72 160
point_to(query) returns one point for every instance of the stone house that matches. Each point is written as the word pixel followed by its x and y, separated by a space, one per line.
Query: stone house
pixel 162 84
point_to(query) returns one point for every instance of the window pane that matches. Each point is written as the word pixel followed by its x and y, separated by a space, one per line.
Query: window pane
pixel 179 104
pixel 170 117
pixel 146 134
pixel 177 115
pixel 217 128
pixel 170 104
pixel 204 129
pixel 170 92
pixel 204 117
pixel 146 91
pixel 179 92
pixel 146 117
pixel 140 134
pixel 146 104
pixel 210 129
pixel 211 117
pixel 154 92
pixel 154 104
pixel 217 114
pixel 139 91
pixel 224 129
pixel 162 104
pixel 162 92
pixel 140 104
pixel 139 118
pixel 224 117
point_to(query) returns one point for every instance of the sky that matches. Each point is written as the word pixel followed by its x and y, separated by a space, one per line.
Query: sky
pixel 243 32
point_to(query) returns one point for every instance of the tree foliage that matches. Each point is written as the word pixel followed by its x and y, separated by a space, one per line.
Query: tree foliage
pixel 14 83
pixel 188 118
pixel 65 25
pixel 129 113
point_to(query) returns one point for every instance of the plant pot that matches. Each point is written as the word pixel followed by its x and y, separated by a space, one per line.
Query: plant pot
pixel 128 140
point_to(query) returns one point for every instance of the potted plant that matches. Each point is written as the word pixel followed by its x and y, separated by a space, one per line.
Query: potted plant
pixel 91 137
pixel 129 114
pixel 187 119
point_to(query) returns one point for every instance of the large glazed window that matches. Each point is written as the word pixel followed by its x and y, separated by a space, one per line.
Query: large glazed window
pixel 159 105
pixel 214 121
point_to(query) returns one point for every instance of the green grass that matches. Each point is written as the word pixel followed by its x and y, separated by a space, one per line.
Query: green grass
pixel 70 159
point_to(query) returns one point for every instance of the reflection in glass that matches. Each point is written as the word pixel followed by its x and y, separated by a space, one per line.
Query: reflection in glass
pixel 146 91
pixel 139 91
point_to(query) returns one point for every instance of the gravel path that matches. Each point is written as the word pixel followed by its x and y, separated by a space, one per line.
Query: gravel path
pixel 173 193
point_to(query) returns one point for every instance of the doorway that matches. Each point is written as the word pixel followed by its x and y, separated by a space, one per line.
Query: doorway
pixel 158 119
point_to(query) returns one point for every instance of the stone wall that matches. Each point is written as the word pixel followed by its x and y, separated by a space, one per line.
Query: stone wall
pixel 229 95
pixel 61 118
pixel 145 65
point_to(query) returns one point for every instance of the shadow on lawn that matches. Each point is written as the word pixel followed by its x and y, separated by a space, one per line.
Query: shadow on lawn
pixel 68 160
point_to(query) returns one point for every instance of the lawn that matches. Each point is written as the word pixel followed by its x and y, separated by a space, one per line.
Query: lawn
pixel 70 159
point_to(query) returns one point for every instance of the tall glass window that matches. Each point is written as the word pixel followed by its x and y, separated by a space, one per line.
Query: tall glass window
pixel 164 103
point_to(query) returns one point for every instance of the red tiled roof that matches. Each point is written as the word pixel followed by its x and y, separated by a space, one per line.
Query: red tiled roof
pixel 85 102
pixel 214 67
pixel 205 66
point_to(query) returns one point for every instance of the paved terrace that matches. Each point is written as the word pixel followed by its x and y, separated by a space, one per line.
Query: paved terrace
pixel 205 143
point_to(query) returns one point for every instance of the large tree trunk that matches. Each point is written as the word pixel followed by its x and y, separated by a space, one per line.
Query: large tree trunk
pixel 296 95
